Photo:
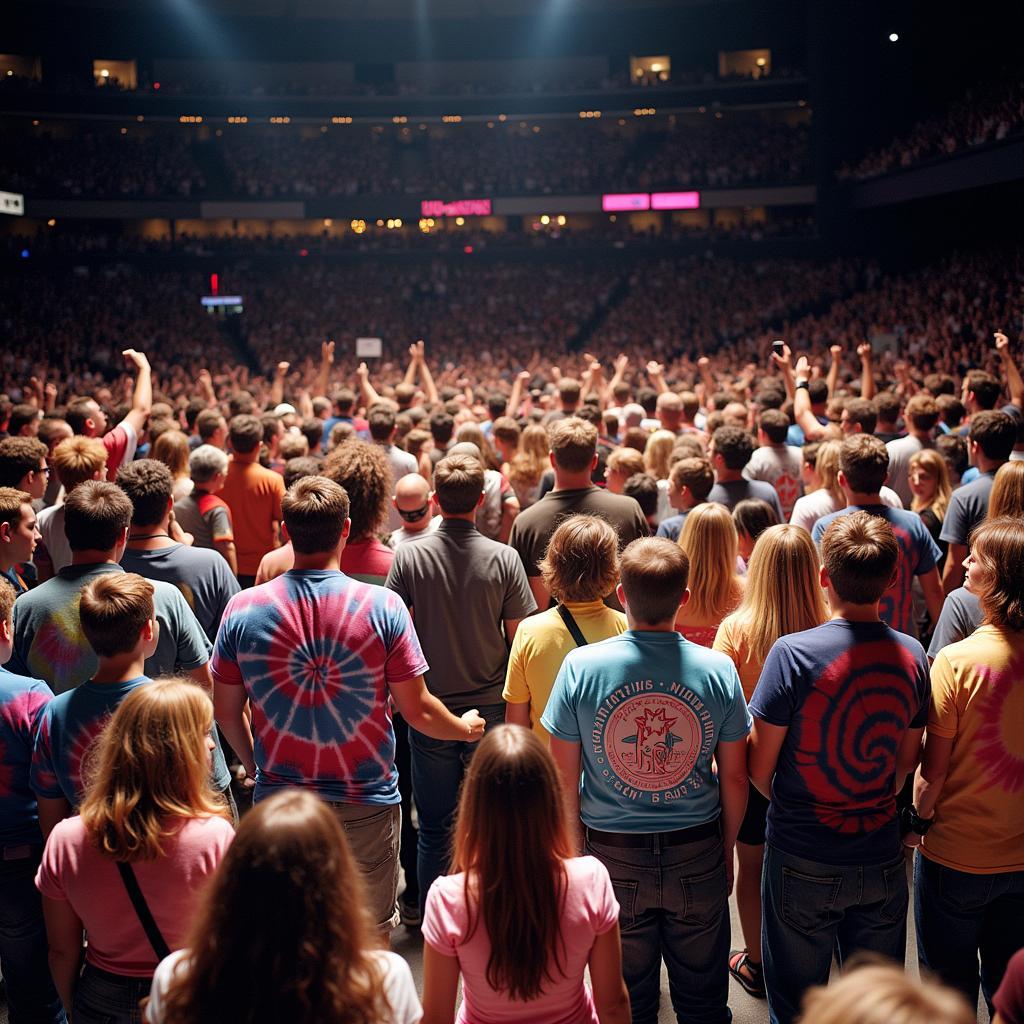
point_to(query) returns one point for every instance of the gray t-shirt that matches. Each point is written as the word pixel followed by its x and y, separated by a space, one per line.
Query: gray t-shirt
pixel 731 492
pixel 967 508
pixel 202 576
pixel 961 616
pixel 778 465
pixel 460 586
pixel 901 451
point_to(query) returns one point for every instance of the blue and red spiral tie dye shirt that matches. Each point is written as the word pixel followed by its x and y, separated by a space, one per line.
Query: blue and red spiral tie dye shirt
pixel 847 692
pixel 22 701
pixel 316 652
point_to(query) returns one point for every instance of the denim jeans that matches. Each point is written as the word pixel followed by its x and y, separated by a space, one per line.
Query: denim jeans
pixel 410 835
pixel 813 909
pixel 103 998
pixel 31 996
pixel 438 767
pixel 961 915
pixel 674 904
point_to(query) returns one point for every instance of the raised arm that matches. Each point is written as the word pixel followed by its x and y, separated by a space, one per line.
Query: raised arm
pixel 426 377
pixel 785 364
pixel 142 396
pixel 323 377
pixel 867 370
pixel 656 375
pixel 367 395
pixel 832 379
pixel 802 414
pixel 523 379
pixel 277 384
pixel 1014 381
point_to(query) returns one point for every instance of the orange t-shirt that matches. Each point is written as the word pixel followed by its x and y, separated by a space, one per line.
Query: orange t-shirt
pixel 254 496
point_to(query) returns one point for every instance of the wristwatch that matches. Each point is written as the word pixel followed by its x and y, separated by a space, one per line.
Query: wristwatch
pixel 913 822
pixel 801 382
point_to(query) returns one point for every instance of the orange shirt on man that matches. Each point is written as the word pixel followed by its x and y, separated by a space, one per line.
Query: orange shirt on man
pixel 254 496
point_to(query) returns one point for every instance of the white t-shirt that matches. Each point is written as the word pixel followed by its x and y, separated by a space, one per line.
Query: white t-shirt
pixel 51 525
pixel 403 536
pixel 398 987
pixel 811 507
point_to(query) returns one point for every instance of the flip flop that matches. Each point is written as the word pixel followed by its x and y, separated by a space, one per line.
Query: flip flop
pixel 753 980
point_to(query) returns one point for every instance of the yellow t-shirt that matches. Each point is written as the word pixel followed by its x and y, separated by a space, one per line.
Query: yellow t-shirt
pixel 540 646
pixel 749 671
pixel 978 702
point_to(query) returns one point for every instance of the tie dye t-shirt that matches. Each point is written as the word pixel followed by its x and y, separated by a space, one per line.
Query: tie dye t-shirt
pixel 918 554
pixel 22 702
pixel 316 652
pixel 978 702
pixel 847 692
pixel 67 728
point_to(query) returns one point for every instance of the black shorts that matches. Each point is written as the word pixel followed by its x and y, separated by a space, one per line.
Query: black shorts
pixel 752 828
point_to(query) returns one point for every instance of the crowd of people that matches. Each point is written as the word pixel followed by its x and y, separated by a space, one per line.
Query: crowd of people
pixel 549 668
pixel 497 158
pixel 990 112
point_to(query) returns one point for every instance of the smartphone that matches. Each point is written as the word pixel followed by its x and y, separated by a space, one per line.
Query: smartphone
pixel 778 346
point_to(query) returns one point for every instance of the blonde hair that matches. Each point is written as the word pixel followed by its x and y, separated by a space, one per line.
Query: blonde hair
pixel 1007 497
pixel 171 448
pixel 77 459
pixel 827 467
pixel 884 994
pixel 932 462
pixel 148 770
pixel 783 594
pixel 530 462
pixel 658 452
pixel 710 542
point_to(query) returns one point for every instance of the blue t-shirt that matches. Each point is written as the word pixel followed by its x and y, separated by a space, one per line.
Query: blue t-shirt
pixel 67 728
pixel 648 709
pixel 672 526
pixel 22 702
pixel 847 692
pixel 919 554
pixel 967 508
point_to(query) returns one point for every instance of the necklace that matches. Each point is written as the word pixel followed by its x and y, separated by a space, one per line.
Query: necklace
pixel 147 536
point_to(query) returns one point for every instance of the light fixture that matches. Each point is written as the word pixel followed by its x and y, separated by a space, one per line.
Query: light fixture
pixel 51 223
pixel 894 37
pixel 545 219
pixel 561 220
pixel 459 221
pixel 656 66
pixel 104 73
pixel 761 62
pixel 328 222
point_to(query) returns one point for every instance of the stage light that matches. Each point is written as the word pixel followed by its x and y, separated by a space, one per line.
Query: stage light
pixel 761 62
pixel 459 221
pixel 894 37
pixel 51 223
pixel 561 220
pixel 104 73
pixel 545 219
pixel 24 252
pixel 328 222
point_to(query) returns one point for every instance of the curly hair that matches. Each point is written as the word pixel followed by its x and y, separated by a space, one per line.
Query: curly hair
pixel 365 473
pixel 582 560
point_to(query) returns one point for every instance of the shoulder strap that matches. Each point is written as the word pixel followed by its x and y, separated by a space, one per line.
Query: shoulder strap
pixel 149 926
pixel 570 624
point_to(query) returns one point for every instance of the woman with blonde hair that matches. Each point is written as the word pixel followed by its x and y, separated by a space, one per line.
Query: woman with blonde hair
pixel 783 596
pixel 522 917
pixel 711 543
pixel 127 869
pixel 171 448
pixel 580 568
pixel 657 462
pixel 312 959
pixel 529 464
pixel 928 476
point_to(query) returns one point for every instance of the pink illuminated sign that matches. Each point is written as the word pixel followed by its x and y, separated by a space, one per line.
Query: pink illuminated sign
pixel 675 200
pixel 618 201
pixel 456 208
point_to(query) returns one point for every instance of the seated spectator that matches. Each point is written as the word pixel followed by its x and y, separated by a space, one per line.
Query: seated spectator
pixel 29 987
pixel 521 930
pixel 709 540
pixel 149 822
pixel 968 819
pixel 730 451
pixel 76 460
pixel 689 483
pixel 315 960
pixel 579 569
pixel 783 596
pixel 201 513
pixel 751 518
pixel 19 534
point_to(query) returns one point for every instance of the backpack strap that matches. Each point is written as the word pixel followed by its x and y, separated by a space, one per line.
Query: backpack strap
pixel 570 624
pixel 142 911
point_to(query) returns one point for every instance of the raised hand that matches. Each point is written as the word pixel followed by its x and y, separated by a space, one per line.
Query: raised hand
pixel 327 352
pixel 621 362
pixel 654 369
pixel 136 359
pixel 1002 343
pixel 282 368
pixel 865 351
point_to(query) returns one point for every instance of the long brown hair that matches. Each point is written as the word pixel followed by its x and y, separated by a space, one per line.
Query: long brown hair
pixel 1007 497
pixel 515 880
pixel 148 770
pixel 282 932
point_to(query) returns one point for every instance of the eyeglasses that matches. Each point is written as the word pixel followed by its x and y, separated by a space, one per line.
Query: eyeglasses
pixel 44 469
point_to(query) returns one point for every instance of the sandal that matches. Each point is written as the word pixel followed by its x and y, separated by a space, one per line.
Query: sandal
pixel 749 974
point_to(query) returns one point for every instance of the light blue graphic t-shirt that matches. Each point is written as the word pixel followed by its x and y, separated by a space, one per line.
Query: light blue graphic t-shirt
pixel 648 709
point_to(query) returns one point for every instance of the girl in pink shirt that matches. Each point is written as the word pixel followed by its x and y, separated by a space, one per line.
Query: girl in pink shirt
pixel 522 917
pixel 149 806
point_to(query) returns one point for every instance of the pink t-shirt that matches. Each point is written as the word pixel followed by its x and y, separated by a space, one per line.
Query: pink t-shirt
pixel 590 910
pixel 74 870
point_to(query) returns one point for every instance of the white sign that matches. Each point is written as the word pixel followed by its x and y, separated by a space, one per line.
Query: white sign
pixel 369 348
pixel 12 203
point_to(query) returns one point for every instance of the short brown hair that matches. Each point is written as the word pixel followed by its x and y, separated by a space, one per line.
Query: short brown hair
pixel 113 610
pixel 625 460
pixel 246 433
pixel 569 391
pixel 999 545
pixel 149 486
pixel 96 514
pixel 77 459
pixel 775 424
pixel 573 444
pixel 922 412
pixel 695 474
pixel 582 560
pixel 20 456
pixel 860 553
pixel 11 500
pixel 314 511
pixel 862 411
pixel 208 422
pixel 995 433
pixel 7 597
pixel 458 483
pixel 864 460
pixel 505 428
pixel 362 469
pixel 655 572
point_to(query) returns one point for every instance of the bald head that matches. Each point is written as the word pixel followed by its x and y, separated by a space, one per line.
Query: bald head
pixel 412 501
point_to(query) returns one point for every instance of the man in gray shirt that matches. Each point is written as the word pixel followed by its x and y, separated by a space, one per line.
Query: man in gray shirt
pixel 467 595
pixel 920 416
pixel 382 429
